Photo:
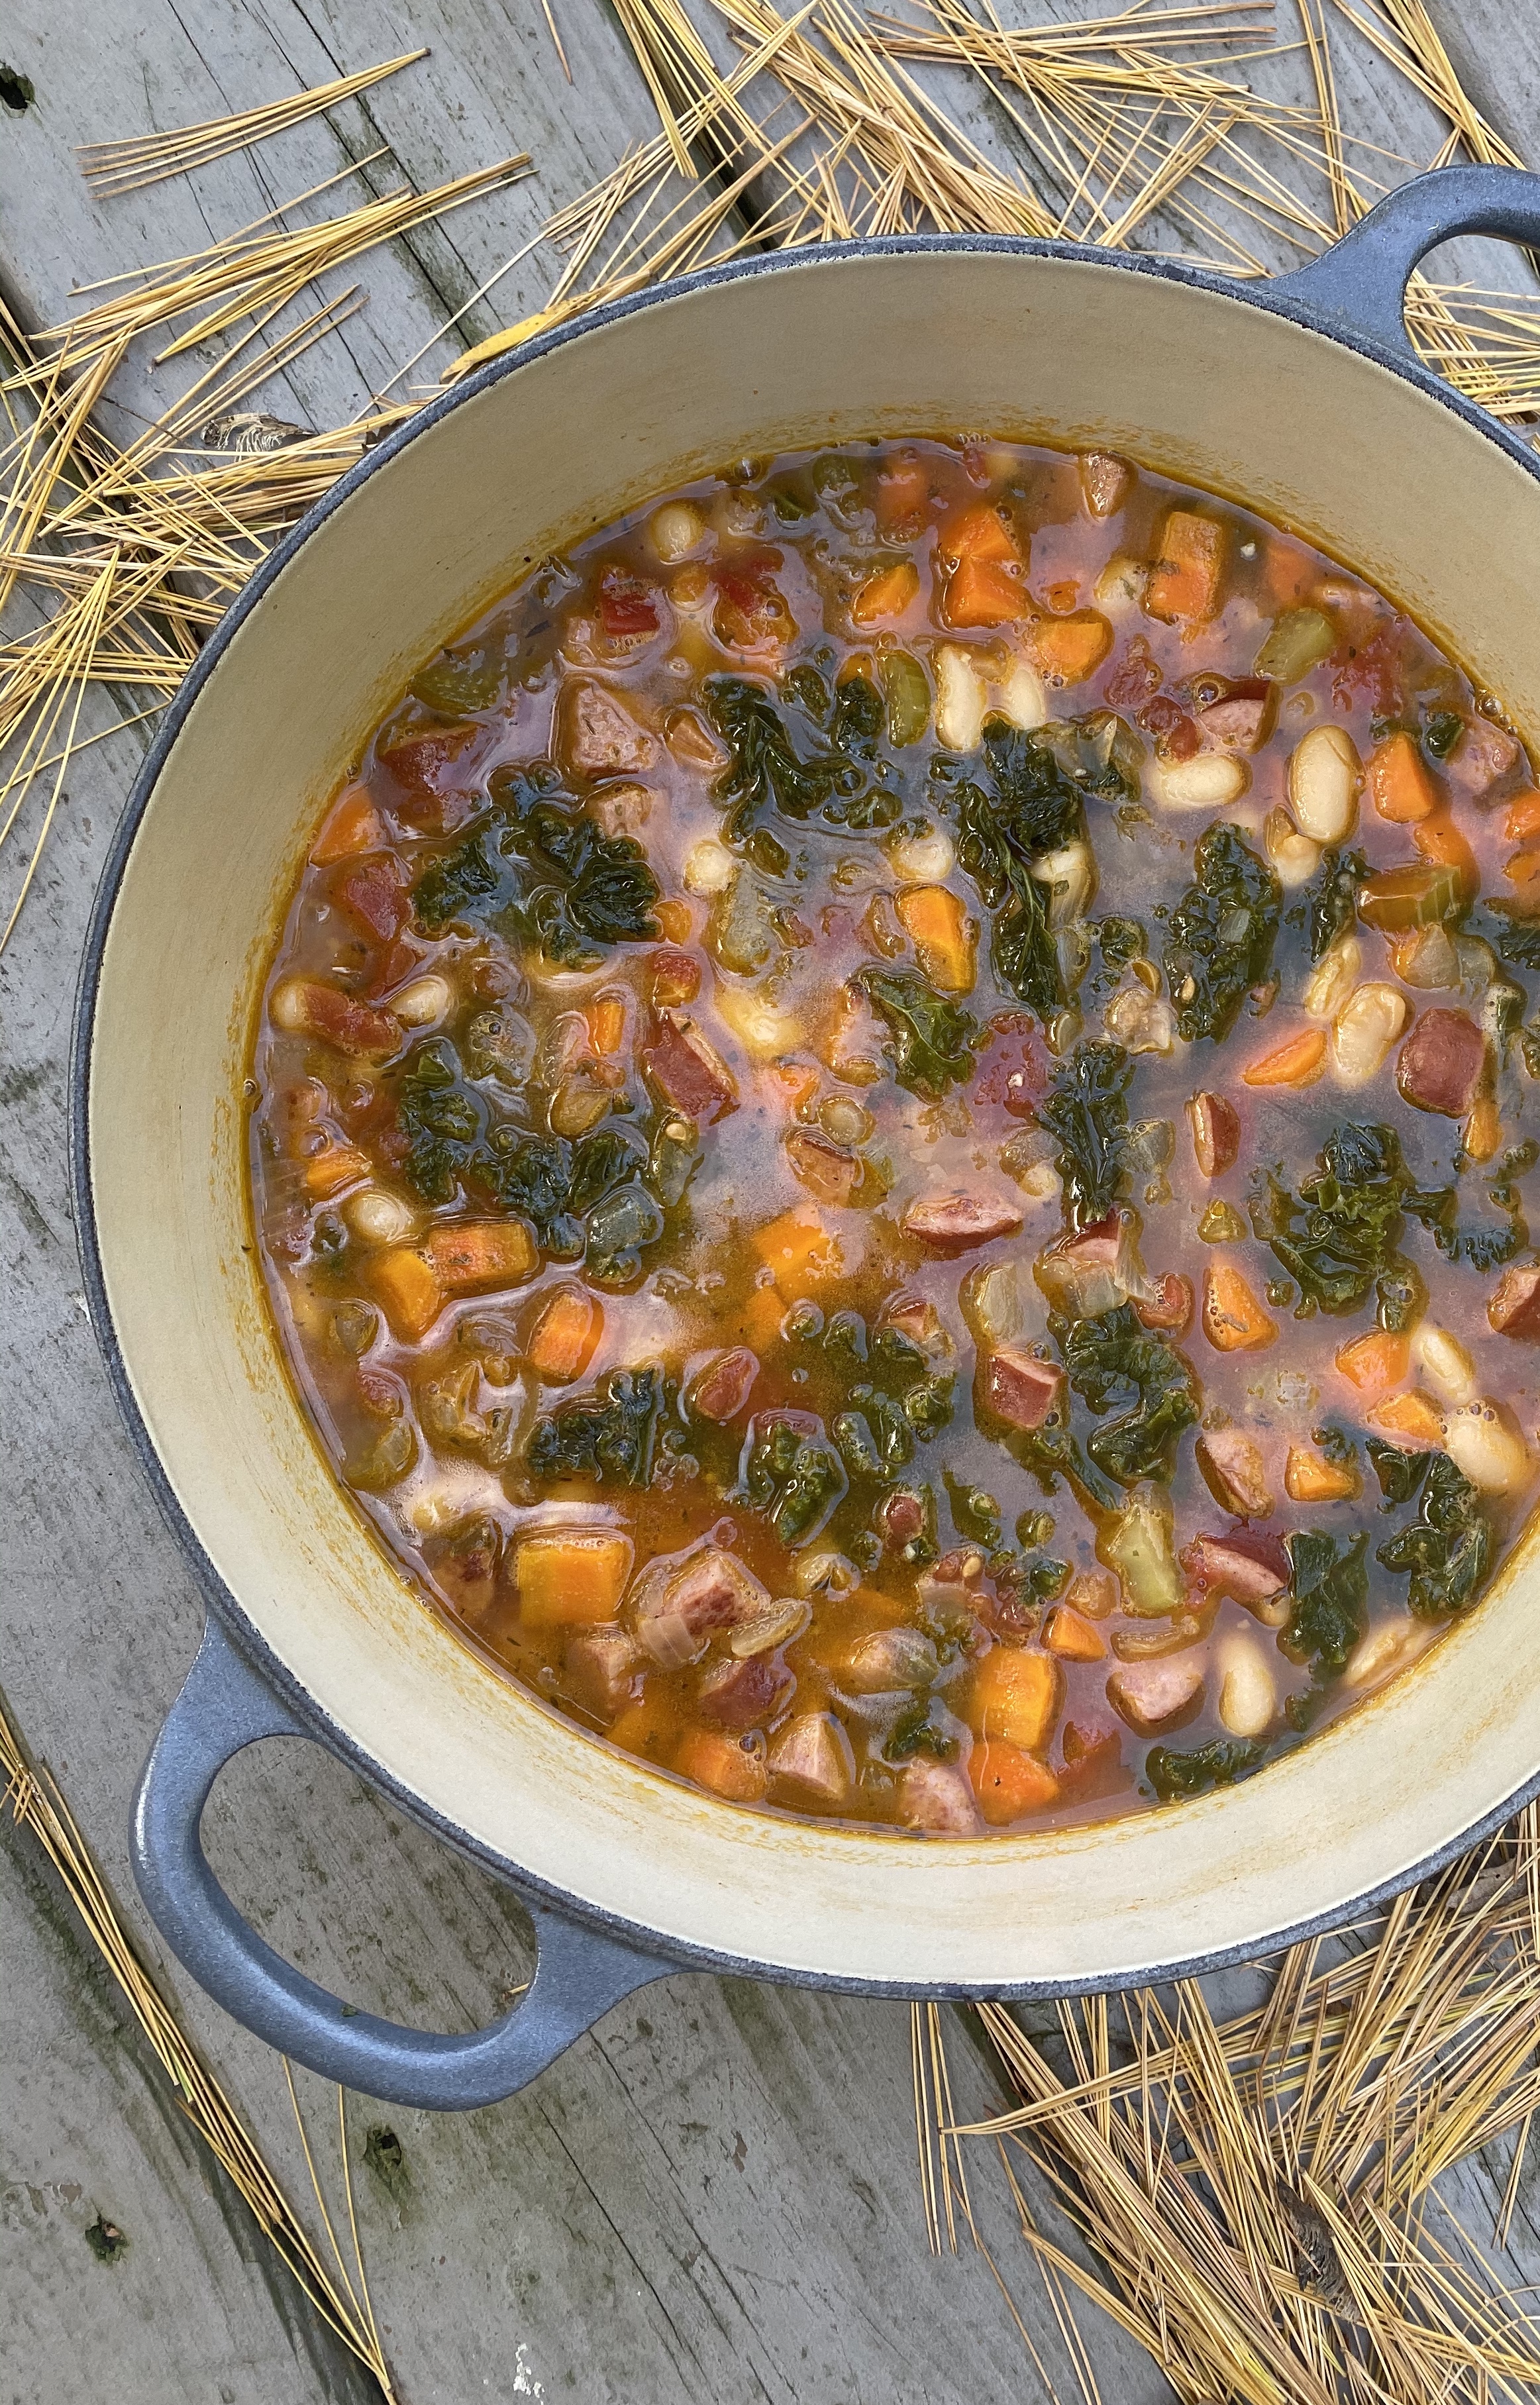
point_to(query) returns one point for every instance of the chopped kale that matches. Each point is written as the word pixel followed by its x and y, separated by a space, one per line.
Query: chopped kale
pixel 1486 1243
pixel 531 1175
pixel 1222 931
pixel 441 1120
pixel 1441 731
pixel 1099 752
pixel 1331 904
pixel 607 1436
pixel 875 1441
pixel 1029 791
pixel 975 1513
pixel 1341 1235
pixel 1329 1598
pixel 1032 807
pixel 793 1474
pixel 1218 1763
pixel 600 1162
pixel 1113 1360
pixel 1400 1475
pixel 453 887
pixel 1088 1112
pixel 927 1407
pixel 1122 940
pixel 1448 1550
pixel 779 763
pixel 933 1039
pixel 915 1731
pixel 581 891
pixel 1518 940
pixel 1336 1446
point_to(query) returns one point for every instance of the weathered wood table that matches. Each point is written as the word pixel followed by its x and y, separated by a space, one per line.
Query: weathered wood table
pixel 713 2195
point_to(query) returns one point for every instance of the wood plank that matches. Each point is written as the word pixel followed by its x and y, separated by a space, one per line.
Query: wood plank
pixel 714 2195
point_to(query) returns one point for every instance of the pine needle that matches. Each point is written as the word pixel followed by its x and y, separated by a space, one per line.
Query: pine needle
pixel 37 1804
pixel 127 166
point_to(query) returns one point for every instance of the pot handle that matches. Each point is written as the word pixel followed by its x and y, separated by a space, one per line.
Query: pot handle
pixel 1358 287
pixel 579 1974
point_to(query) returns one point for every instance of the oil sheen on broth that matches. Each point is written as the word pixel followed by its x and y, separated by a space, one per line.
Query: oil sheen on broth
pixel 891 1136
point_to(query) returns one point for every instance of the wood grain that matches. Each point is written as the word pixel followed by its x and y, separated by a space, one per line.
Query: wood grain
pixel 713 2195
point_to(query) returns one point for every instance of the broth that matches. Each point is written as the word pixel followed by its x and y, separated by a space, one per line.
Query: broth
pixel 889 1137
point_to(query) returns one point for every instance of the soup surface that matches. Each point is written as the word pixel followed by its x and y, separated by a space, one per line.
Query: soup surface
pixel 889 1137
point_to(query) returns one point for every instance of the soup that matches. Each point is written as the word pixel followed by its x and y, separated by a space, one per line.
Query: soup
pixel 889 1136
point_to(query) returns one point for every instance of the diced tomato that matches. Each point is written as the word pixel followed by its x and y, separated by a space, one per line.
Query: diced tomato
pixel 1177 737
pixel 626 604
pixel 434 776
pixel 375 898
pixel 1136 677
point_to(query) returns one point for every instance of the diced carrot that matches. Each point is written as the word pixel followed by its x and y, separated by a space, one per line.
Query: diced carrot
pixel 1297 1063
pixel 903 491
pixel 1014 1695
pixel 647 1728
pixel 799 1249
pixel 1483 1129
pixel 606 1023
pixel 565 1334
pixel 352 825
pixel 984 593
pixel 1188 571
pixel 1070 648
pixel 571 1577
pixel 472 1256
pixel 721 1763
pixel 1308 1478
pixel 1010 1783
pixel 676 918
pixel 1438 838
pixel 1233 1320
pixel 403 1283
pixel 1412 1419
pixel 1523 816
pixel 981 534
pixel 1071 1638
pixel 1288 571
pixel 1399 786
pixel 1523 874
pixel 1375 1362
pixel 327 1173
pixel 934 919
pixel 887 593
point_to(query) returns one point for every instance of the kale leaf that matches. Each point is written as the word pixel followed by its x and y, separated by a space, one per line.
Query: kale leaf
pixel 1088 1112
pixel 975 1513
pixel 1448 1550
pixel 609 1435
pixel 933 1039
pixel 1222 931
pixel 1519 941
pixel 793 1474
pixel 1329 1598
pixel 451 887
pixel 914 1732
pixel 530 1176
pixel 1021 946
pixel 581 891
pixel 1351 1220
pixel 1218 1763
pixel 441 1120
pixel 1331 904
pixel 779 764
pixel 1400 1475
pixel 1030 792
pixel 1113 1358
pixel 1486 1244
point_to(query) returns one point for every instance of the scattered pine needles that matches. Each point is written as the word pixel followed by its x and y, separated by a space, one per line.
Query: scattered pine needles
pixel 36 1805
pixel 111 167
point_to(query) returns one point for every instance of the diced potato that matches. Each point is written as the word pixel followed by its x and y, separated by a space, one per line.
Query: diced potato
pixel 405 1285
pixel 567 1576
pixel 1014 1695
pixel 942 934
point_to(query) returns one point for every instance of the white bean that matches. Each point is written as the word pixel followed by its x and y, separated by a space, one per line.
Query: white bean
pixel 1140 1022
pixel 1119 587
pixel 1248 1694
pixel 675 529
pixel 926 859
pixel 1324 775
pixel 1390 1647
pixel 959 699
pixel 1208 781
pixel 1022 697
pixel 286 1006
pixel 1364 1031
pixel 1333 977
pixel 424 1000
pixel 709 866
pixel 1444 1363
pixel 1484 1444
pixel 377 1216
pixel 1293 855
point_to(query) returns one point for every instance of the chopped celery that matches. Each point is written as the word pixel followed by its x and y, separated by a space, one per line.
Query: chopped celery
pixel 1295 643
pixel 908 697
pixel 1416 895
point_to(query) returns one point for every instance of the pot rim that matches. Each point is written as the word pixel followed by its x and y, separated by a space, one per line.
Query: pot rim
pixel 1261 294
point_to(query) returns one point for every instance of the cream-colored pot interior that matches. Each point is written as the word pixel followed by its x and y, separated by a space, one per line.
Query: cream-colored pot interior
pixel 1050 349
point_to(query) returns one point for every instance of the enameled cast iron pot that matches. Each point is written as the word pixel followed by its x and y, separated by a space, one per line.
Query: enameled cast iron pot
pixel 1301 397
